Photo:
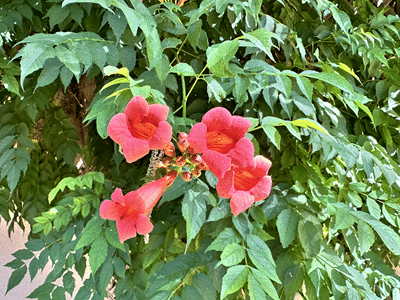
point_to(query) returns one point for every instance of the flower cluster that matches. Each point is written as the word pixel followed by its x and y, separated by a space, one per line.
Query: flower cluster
pixel 217 143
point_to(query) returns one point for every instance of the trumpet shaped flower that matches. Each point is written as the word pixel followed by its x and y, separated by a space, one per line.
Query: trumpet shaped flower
pixel 131 211
pixel 246 185
pixel 140 128
pixel 220 137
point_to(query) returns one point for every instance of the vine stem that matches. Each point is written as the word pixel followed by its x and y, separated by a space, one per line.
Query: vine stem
pixel 190 91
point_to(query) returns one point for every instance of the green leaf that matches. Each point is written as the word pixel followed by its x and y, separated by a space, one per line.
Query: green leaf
pixel 204 286
pixel 58 293
pixel 106 273
pixel 10 83
pixel 256 292
pixel 233 280
pixel 267 125
pixel 119 267
pixel 218 57
pixel 373 208
pixel 266 283
pixel 35 245
pixel 305 86
pixel 183 69
pixel 47 76
pixel 179 188
pixel 333 79
pixel 194 210
pixel 98 253
pixel 287 226
pixel 23 254
pixel 308 123
pixel 33 267
pixel 111 235
pixel 90 233
pixel 15 264
pixel 68 58
pixel 366 236
pixel 56 15
pixel 190 293
pixel 226 237
pixel 69 282
pixel 261 256
pixel 232 255
pixel 16 277
pixel 42 291
pixel 310 236
pixel 261 38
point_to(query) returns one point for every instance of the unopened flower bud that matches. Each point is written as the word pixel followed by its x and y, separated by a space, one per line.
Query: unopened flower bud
pixel 183 145
pixel 182 136
pixel 171 176
pixel 187 176
pixel 170 150
pixel 166 161
pixel 203 166
pixel 180 161
pixel 196 172
pixel 196 159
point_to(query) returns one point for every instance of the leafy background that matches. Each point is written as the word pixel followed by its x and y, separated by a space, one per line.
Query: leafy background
pixel 318 79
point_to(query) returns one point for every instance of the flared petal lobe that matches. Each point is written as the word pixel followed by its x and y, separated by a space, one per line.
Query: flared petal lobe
pixel 140 128
pixel 246 185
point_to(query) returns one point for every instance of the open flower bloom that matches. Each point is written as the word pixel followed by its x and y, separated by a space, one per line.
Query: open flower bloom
pixel 246 185
pixel 140 128
pixel 131 211
pixel 220 137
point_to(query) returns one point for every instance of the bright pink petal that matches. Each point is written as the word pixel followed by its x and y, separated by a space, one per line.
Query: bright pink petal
pixel 262 189
pixel 152 192
pixel 126 227
pixel 118 196
pixel 225 186
pixel 143 225
pixel 262 165
pixel 238 128
pixel 118 129
pixel 241 201
pixel 157 113
pixel 136 109
pixel 217 119
pixel 135 149
pixel 134 201
pixel 161 137
pixel 243 152
pixel 198 137
pixel 217 162
pixel 111 210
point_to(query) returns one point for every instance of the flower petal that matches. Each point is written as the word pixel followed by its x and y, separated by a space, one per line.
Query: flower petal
pixel 198 137
pixel 118 129
pixel 118 196
pixel 225 186
pixel 134 149
pixel 136 109
pixel 157 113
pixel 152 192
pixel 111 210
pixel 217 162
pixel 262 165
pixel 262 189
pixel 217 119
pixel 161 137
pixel 238 128
pixel 126 227
pixel 133 200
pixel 241 201
pixel 143 225
pixel 243 152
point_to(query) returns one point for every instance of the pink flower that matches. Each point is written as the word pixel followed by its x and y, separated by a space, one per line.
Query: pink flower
pixel 140 128
pixel 131 211
pixel 246 185
pixel 220 137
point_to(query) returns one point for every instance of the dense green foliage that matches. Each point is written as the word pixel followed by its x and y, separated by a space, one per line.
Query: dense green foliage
pixel 318 79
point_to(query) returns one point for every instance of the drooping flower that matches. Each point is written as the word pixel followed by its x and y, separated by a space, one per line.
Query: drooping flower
pixel 220 137
pixel 131 211
pixel 246 185
pixel 140 128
